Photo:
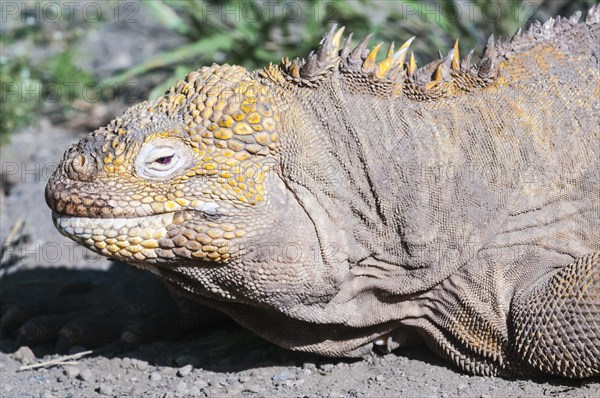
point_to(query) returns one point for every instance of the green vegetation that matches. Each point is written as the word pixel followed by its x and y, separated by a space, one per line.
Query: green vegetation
pixel 26 88
pixel 254 33
pixel 18 90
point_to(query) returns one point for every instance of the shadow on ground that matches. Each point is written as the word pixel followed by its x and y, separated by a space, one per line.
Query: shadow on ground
pixel 38 305
pixel 60 310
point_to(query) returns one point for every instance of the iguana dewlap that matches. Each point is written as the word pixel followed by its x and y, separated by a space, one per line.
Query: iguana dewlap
pixel 341 201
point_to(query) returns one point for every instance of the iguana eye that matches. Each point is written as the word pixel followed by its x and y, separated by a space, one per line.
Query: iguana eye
pixel 162 158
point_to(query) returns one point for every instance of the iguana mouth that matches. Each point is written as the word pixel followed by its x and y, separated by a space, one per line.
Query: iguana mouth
pixel 160 238
pixel 133 238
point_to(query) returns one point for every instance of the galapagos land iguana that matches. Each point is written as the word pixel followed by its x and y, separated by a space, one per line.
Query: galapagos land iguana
pixel 336 203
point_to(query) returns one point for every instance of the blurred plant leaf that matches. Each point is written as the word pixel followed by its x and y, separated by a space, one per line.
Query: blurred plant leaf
pixel 166 16
pixel 202 49
pixel 159 91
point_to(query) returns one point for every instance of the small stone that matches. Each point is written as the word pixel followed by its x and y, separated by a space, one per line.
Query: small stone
pixel 309 366
pixel 155 376
pixel 126 363
pixel 181 389
pixel 253 388
pixel 462 387
pixel 326 367
pixel 244 379
pixel 24 355
pixel 71 371
pixel 139 364
pixel 194 391
pixel 46 394
pixel 86 375
pixel 379 378
pixel 221 381
pixel 61 378
pixel 105 389
pixel 186 370
pixel 201 384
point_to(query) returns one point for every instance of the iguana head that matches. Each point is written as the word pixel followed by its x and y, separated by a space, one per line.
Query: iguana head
pixel 196 182
pixel 186 162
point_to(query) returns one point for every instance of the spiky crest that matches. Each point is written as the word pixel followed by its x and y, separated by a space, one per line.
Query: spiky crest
pixel 392 76
pixel 318 65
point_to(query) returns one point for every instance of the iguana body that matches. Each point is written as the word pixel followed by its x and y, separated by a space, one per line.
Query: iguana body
pixel 335 203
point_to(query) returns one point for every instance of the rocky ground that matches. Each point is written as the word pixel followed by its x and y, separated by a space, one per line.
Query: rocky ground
pixel 232 363
pixel 225 361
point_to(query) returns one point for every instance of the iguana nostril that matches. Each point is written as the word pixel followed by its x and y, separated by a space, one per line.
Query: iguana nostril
pixel 81 168
pixel 78 164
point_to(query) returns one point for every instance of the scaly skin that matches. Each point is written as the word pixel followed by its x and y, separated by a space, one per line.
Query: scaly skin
pixel 335 203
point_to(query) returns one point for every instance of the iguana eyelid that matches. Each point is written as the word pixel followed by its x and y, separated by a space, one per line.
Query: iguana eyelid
pixel 147 164
pixel 162 152
pixel 154 163
pixel 164 160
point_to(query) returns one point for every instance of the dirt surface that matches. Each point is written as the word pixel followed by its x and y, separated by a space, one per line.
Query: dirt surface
pixel 223 361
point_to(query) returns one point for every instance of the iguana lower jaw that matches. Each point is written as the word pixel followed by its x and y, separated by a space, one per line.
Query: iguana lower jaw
pixel 149 238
